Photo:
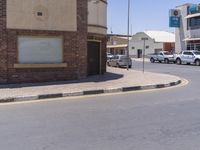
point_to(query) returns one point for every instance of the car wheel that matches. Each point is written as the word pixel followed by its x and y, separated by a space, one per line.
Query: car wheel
pixel 178 61
pixel 166 61
pixel 152 60
pixel 197 62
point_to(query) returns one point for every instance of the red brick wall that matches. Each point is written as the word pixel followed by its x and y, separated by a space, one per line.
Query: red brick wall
pixel 75 51
pixel 169 46
pixel 70 55
pixel 3 43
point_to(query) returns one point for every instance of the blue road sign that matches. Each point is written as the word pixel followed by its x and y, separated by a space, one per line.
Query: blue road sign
pixel 174 21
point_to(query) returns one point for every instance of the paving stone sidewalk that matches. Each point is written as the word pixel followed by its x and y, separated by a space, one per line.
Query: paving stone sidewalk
pixel 141 59
pixel 115 80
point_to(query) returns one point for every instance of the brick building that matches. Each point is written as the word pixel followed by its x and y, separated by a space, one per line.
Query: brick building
pixel 51 40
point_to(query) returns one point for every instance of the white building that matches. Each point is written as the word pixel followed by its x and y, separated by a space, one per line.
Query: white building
pixel 157 41
pixel 188 34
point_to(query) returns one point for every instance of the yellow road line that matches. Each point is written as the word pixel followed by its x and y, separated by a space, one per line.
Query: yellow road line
pixel 183 83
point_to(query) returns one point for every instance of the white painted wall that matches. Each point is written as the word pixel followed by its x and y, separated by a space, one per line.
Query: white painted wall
pixel 97 15
pixel 182 32
pixel 137 43
pixel 58 15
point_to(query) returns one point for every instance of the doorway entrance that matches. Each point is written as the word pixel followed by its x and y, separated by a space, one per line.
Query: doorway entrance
pixel 93 58
pixel 139 53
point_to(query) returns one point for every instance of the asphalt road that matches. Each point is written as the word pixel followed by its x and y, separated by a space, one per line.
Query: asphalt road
pixel 154 120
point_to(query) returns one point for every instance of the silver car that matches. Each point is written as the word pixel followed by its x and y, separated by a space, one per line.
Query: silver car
pixel 109 56
pixel 120 61
pixel 162 56
pixel 189 57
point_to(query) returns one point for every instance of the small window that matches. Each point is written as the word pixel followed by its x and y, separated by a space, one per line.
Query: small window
pixel 39 14
pixel 188 53
pixel 197 53
pixel 167 53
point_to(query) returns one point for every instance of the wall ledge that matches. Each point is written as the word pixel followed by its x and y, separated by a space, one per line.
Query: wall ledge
pixel 61 65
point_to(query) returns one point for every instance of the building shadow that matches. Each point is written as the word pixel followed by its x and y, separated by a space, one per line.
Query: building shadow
pixel 108 76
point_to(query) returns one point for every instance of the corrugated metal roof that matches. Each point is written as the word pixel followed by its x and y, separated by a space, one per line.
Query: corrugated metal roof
pixel 161 36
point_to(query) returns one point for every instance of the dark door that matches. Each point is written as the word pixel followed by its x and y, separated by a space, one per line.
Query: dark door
pixel 139 53
pixel 93 58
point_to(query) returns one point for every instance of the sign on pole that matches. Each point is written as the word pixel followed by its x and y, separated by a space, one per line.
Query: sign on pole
pixel 174 18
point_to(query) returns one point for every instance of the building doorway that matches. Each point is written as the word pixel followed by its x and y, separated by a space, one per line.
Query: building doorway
pixel 93 58
pixel 139 53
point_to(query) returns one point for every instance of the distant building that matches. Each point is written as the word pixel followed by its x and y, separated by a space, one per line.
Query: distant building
pixel 188 33
pixel 117 45
pixel 157 41
pixel 50 40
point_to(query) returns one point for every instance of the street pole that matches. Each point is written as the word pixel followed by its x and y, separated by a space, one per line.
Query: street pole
pixel 144 39
pixel 128 23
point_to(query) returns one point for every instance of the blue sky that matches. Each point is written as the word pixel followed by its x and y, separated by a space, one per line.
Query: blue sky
pixel 145 14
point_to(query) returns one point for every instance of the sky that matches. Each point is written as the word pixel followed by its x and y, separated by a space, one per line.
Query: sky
pixel 144 15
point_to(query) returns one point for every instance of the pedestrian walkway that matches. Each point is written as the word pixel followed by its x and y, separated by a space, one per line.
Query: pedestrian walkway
pixel 115 80
pixel 141 59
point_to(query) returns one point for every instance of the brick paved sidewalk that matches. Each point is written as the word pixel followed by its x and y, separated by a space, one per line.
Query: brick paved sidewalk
pixel 115 78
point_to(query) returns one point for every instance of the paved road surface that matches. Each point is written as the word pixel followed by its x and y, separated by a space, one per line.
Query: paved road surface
pixel 154 120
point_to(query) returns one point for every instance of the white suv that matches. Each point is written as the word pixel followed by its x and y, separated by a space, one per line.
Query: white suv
pixel 120 61
pixel 188 57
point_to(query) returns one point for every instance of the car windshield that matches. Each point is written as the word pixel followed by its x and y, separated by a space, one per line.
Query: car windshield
pixel 166 53
pixel 197 53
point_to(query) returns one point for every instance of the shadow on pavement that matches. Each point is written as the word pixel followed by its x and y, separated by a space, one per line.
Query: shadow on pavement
pixel 108 76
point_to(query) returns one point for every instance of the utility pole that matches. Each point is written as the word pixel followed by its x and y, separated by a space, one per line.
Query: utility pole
pixel 128 28
pixel 144 39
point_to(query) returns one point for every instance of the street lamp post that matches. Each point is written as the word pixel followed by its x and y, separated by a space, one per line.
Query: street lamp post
pixel 128 27
pixel 144 39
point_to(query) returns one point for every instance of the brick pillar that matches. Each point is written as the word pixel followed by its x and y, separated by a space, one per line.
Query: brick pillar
pixel 82 20
pixel 103 54
pixel 3 42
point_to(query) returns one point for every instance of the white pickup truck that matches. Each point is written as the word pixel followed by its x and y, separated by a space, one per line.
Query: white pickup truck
pixel 162 56
pixel 188 57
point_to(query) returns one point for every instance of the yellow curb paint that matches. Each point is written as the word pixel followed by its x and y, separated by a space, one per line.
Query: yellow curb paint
pixel 184 82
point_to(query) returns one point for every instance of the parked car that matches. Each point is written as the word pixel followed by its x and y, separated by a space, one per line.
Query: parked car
pixel 188 57
pixel 162 56
pixel 109 56
pixel 120 61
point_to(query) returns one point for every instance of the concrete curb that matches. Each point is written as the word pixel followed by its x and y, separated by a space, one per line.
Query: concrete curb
pixel 90 92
